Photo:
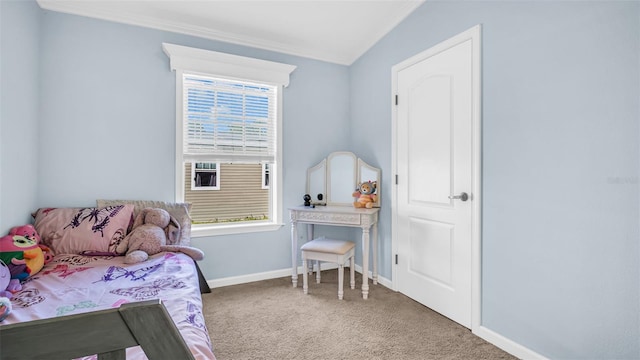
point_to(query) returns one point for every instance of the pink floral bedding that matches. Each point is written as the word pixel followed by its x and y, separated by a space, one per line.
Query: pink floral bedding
pixel 73 284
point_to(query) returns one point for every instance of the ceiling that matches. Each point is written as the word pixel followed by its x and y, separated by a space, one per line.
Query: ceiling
pixel 337 31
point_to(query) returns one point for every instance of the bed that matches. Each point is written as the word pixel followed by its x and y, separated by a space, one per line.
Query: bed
pixel 98 307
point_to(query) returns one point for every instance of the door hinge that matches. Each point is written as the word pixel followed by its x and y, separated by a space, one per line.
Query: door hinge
pixel 396 179
pixel 396 99
pixel 396 259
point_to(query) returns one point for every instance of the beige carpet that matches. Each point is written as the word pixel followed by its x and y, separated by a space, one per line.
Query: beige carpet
pixel 272 320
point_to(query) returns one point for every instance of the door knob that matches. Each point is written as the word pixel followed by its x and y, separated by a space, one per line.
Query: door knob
pixel 463 196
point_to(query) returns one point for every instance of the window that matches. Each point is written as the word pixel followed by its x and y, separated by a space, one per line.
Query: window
pixel 228 139
pixel 265 176
pixel 204 176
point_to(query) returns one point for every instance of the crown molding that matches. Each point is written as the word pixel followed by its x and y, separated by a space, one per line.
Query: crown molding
pixel 101 11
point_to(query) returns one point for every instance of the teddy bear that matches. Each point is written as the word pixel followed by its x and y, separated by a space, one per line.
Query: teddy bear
pixel 151 230
pixel 365 195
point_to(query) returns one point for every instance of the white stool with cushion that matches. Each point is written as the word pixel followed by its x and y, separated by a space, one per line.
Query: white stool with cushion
pixel 336 251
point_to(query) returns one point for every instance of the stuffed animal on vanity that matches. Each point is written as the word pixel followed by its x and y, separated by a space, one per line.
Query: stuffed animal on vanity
pixel 22 253
pixel 152 229
pixel 365 194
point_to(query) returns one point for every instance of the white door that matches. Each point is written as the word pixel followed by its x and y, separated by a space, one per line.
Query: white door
pixel 437 168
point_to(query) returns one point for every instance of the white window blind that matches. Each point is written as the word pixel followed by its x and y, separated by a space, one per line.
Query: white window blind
pixel 225 120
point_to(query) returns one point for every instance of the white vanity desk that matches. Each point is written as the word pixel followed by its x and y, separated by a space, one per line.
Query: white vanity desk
pixel 367 219
pixel 331 183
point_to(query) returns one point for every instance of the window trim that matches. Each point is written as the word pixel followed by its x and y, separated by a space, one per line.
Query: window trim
pixel 228 229
pixel 209 63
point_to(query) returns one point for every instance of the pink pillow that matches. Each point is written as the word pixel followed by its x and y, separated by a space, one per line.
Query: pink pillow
pixel 76 230
pixel 180 211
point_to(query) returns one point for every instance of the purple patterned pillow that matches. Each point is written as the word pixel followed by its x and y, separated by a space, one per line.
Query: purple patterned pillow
pixel 77 230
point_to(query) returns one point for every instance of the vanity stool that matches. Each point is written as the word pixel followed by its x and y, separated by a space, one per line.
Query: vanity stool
pixel 336 251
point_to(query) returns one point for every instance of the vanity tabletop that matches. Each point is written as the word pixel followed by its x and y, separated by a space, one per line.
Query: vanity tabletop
pixel 335 209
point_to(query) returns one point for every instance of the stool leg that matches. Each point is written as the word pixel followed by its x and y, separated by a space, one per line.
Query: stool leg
pixel 352 270
pixel 340 281
pixel 318 272
pixel 305 277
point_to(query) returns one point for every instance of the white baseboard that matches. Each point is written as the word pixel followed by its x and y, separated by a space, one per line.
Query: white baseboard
pixel 507 345
pixel 243 279
pixel 381 280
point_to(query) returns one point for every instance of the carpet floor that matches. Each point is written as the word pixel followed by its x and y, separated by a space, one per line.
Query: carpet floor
pixel 272 320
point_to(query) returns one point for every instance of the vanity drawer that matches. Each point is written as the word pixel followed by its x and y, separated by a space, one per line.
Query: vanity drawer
pixel 327 217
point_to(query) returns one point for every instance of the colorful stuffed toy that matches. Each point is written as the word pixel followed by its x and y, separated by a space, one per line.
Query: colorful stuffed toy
pixel 29 231
pixel 5 308
pixel 151 229
pixel 8 286
pixel 21 252
pixel 12 254
pixel 365 195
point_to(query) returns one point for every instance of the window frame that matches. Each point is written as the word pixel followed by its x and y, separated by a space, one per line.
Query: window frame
pixel 194 187
pixel 232 67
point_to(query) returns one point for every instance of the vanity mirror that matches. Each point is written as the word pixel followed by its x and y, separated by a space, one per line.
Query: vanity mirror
pixel 316 183
pixel 336 178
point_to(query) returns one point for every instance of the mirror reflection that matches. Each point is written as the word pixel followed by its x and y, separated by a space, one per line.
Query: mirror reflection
pixel 369 173
pixel 337 177
pixel 341 178
pixel 316 184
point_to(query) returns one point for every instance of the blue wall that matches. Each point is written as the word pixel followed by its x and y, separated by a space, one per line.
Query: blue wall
pixel 108 126
pixel 561 157
pixel 19 113
pixel 561 110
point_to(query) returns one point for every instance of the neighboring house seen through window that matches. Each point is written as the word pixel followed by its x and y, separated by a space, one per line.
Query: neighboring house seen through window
pixel 229 134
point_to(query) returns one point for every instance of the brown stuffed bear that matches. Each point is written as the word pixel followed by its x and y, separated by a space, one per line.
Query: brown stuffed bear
pixel 151 229
pixel 365 195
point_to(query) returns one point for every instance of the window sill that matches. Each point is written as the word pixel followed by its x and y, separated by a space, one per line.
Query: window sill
pixel 213 230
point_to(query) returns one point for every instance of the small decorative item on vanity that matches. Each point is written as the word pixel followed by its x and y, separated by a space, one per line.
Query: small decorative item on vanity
pixel 364 194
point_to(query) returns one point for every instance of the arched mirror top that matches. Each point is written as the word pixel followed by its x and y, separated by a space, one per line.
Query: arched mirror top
pixel 333 180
